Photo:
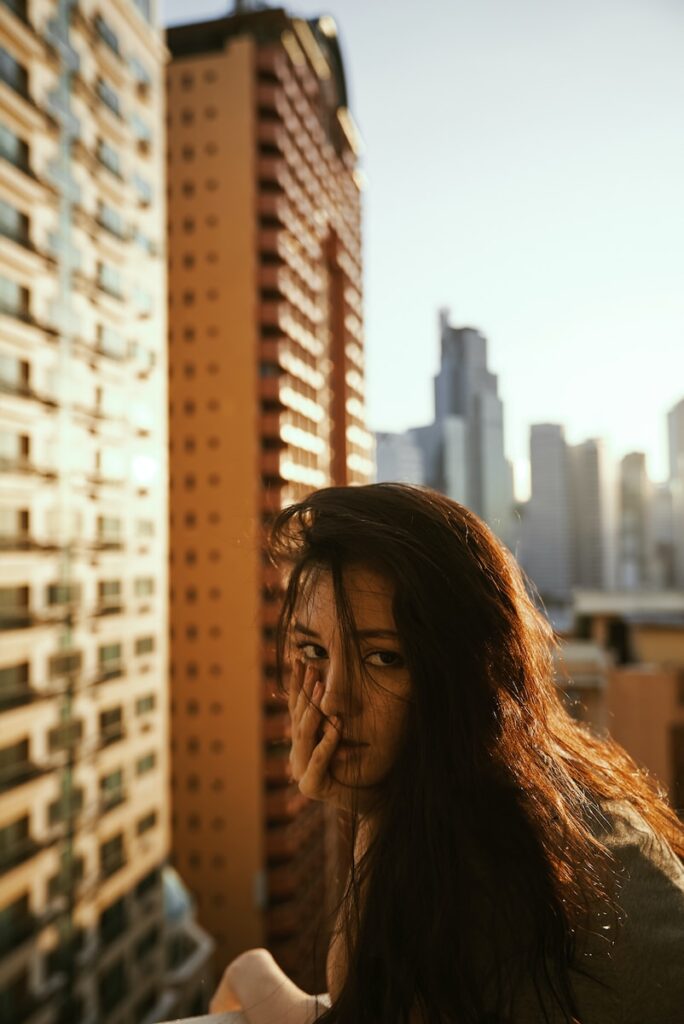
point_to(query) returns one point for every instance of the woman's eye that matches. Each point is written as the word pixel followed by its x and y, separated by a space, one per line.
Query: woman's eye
pixel 395 660
pixel 307 648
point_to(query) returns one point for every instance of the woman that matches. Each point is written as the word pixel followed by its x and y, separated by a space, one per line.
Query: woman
pixel 508 865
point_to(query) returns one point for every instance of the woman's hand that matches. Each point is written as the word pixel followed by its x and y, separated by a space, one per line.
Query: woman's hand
pixel 310 754
pixel 255 984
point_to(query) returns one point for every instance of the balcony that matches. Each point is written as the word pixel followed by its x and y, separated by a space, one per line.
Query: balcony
pixel 17 931
pixel 16 775
pixel 110 606
pixel 112 735
pixel 22 465
pixel 19 617
pixel 21 851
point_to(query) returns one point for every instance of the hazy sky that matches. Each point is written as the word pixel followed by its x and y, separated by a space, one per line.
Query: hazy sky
pixel 525 166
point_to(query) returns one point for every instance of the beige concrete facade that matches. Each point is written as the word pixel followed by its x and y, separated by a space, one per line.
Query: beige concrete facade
pixel 266 403
pixel 626 676
pixel 84 827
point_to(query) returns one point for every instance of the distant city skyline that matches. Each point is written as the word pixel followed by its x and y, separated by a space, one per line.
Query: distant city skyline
pixel 532 184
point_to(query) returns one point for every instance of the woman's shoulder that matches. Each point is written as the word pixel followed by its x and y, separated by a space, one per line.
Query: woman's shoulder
pixel 637 945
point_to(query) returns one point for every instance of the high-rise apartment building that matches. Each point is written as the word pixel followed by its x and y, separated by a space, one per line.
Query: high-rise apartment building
pixel 266 404
pixel 90 930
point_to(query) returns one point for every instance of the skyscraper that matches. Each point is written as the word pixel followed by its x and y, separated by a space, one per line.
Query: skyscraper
pixel 675 437
pixel 635 531
pixel 675 433
pixel 266 404
pixel 547 543
pixel 398 457
pixel 463 449
pixel 592 515
pixel 83 661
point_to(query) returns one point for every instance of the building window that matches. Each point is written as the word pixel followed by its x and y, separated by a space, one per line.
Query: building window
pixel 113 921
pixel 111 220
pixel 65 663
pixel 112 987
pixel 141 130
pixel 144 705
pixel 65 736
pixel 109 157
pixel 110 662
pixel 143 79
pixel 111 791
pixel 148 883
pixel 62 593
pixel 143 190
pixel 110 343
pixel 109 96
pixel 145 764
pixel 14 522
pixel 14 301
pixel 109 530
pixel 143 586
pixel 14 149
pixel 15 843
pixel 144 645
pixel 146 823
pixel 70 874
pixel 111 726
pixel 112 855
pixel 15 765
pixel 109 596
pixel 145 528
pixel 13 73
pixel 66 807
pixel 14 684
pixel 14 224
pixel 107 34
pixel 14 607
pixel 110 280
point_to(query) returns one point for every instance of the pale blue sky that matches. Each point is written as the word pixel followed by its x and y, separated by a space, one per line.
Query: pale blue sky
pixel 525 165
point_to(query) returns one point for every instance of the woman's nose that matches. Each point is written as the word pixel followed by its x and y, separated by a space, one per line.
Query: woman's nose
pixel 338 695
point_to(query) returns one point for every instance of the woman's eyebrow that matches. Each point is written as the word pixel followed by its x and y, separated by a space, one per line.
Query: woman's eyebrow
pixel 299 627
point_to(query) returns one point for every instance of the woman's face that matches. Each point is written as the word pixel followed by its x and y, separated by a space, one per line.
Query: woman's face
pixel 372 710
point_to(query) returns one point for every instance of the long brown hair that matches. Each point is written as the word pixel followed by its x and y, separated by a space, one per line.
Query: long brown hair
pixel 489 822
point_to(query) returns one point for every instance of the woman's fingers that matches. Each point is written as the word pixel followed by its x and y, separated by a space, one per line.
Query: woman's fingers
pixel 296 683
pixel 315 782
pixel 304 698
